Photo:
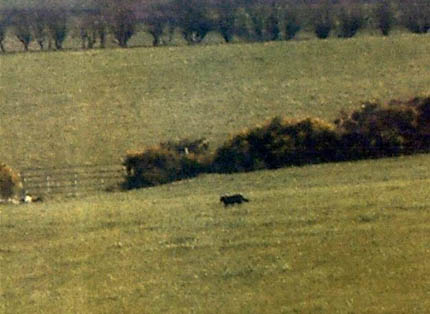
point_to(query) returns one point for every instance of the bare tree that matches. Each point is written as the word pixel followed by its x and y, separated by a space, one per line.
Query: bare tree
pixel 225 12
pixel 57 26
pixel 157 17
pixel 292 20
pixel 416 15
pixel 120 18
pixel 193 17
pixel 39 26
pixel 3 27
pixel 351 18
pixel 92 26
pixel 22 27
pixel 384 14
pixel 323 19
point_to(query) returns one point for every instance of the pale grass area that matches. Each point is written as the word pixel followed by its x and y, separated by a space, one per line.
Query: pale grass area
pixel 75 107
pixel 333 238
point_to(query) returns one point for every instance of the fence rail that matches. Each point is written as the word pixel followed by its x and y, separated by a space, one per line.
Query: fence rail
pixel 71 181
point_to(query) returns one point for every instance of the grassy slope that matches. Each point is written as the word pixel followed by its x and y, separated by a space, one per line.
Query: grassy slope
pixel 334 238
pixel 91 106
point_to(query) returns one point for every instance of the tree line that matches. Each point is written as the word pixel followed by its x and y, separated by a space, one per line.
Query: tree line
pixel 49 22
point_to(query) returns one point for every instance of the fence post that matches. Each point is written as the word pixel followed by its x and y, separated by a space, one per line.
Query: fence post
pixel 24 184
pixel 75 185
pixel 48 184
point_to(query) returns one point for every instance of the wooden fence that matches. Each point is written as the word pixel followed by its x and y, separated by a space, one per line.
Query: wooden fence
pixel 71 181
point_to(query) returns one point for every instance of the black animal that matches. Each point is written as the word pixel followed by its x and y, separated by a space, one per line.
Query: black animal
pixel 232 199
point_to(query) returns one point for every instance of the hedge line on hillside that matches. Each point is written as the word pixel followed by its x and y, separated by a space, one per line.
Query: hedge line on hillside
pixel 371 131
pixel 49 23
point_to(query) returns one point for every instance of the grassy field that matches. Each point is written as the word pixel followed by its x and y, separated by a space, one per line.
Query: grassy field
pixel 333 238
pixel 75 107
pixel 330 238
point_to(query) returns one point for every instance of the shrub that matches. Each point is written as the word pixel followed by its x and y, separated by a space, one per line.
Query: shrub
pixel 385 130
pixel 421 108
pixel 10 182
pixel 278 143
pixel 372 131
pixel 164 163
pixel 186 146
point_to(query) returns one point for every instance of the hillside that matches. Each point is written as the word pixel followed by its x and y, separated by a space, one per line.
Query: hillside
pixel 76 107
pixel 333 238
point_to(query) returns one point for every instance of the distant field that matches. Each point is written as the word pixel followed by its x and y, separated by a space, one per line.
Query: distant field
pixel 76 107
pixel 333 238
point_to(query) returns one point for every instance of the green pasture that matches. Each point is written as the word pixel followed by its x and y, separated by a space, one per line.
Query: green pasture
pixel 350 237
pixel 332 238
pixel 90 107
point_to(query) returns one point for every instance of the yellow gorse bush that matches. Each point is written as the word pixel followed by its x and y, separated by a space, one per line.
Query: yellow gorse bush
pixel 10 182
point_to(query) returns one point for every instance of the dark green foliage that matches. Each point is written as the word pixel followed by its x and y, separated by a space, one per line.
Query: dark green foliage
pixel 277 144
pixel 372 131
pixel 385 130
pixel 165 163
pixel 199 146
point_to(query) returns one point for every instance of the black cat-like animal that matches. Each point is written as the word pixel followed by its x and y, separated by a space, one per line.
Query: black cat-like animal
pixel 233 199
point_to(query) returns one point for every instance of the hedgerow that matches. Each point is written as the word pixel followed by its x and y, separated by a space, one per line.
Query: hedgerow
pixel 253 20
pixel 371 131
pixel 385 130
pixel 165 163
pixel 278 143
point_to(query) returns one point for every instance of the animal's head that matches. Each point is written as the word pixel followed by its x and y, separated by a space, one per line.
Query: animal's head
pixel 222 199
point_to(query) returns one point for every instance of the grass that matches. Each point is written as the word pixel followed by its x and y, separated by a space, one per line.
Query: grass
pixel 329 238
pixel 333 238
pixel 75 107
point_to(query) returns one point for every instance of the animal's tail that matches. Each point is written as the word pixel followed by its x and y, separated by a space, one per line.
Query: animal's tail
pixel 245 200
